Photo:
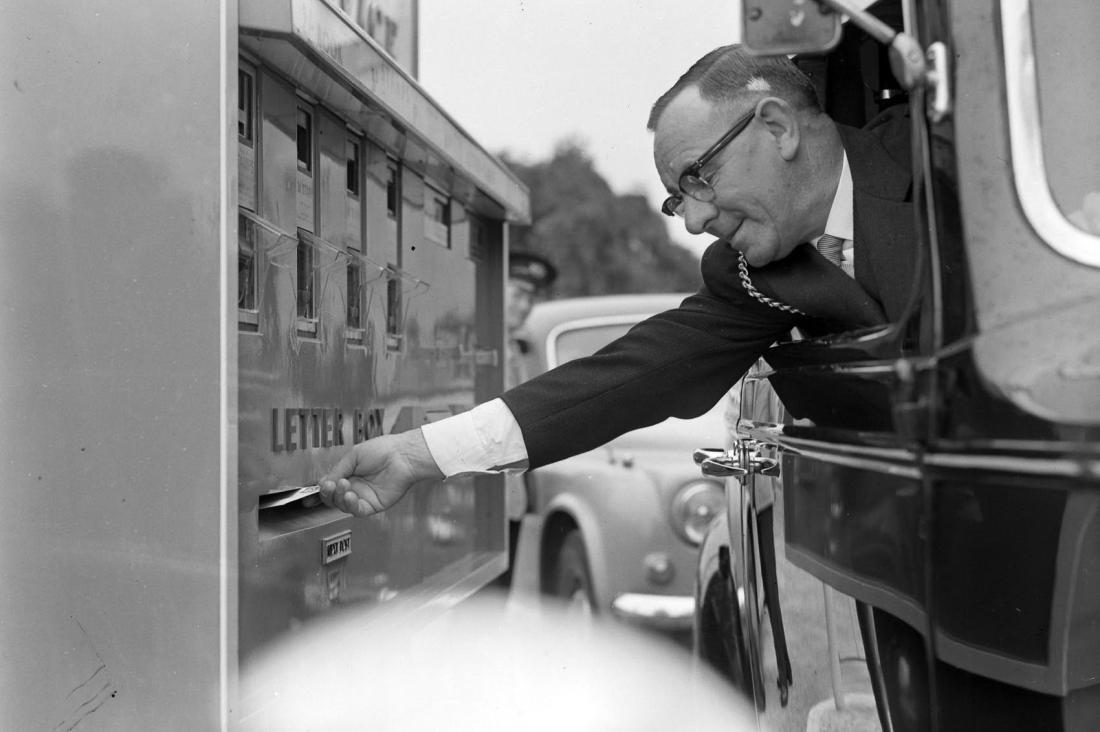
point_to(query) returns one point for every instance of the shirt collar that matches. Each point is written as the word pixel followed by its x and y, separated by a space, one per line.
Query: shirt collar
pixel 841 220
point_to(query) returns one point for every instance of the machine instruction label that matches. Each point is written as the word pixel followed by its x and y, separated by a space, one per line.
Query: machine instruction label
pixel 300 428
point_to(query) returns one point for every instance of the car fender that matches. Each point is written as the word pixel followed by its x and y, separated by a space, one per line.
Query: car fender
pixel 595 550
pixel 615 507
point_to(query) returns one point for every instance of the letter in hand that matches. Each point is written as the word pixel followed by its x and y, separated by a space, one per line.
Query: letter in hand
pixel 377 473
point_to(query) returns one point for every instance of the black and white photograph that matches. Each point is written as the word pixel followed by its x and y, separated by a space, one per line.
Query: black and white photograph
pixel 550 366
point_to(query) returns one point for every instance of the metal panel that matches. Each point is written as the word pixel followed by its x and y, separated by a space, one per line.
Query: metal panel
pixel 320 48
pixel 306 395
pixel 125 491
pixel 1033 275
pixel 117 535
pixel 393 24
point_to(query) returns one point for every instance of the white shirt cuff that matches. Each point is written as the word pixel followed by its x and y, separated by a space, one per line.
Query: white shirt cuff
pixel 486 439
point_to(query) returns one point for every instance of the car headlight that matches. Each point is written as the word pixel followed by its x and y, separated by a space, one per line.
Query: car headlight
pixel 693 508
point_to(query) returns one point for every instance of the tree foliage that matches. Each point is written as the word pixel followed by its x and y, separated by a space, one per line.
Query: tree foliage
pixel 601 243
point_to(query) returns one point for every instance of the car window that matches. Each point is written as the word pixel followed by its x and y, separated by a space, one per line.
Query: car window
pixel 574 343
pixel 1065 42
pixel 577 341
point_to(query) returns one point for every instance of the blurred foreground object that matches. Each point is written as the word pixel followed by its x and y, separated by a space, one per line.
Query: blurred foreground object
pixel 486 665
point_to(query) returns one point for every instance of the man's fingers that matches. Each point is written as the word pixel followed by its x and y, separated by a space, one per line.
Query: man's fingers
pixel 348 497
pixel 332 490
pixel 365 468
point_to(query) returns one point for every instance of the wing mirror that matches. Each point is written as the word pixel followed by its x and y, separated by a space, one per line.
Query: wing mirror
pixel 773 27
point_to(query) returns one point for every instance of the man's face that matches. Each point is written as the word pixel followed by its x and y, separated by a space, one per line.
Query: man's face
pixel 521 296
pixel 751 181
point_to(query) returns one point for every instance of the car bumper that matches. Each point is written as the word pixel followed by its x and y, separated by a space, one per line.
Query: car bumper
pixel 665 612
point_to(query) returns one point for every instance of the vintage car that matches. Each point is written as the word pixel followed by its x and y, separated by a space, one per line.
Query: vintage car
pixel 944 470
pixel 616 530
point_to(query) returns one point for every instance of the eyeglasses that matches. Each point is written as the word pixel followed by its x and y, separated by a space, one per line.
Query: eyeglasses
pixel 694 185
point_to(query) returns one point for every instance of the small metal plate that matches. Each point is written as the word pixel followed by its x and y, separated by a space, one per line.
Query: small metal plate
pixel 336 547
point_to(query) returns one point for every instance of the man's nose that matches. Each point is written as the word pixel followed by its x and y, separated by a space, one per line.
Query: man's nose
pixel 697 215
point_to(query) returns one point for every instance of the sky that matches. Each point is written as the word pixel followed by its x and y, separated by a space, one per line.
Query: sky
pixel 522 75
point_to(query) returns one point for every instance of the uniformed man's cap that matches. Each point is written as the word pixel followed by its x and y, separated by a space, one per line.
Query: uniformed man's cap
pixel 531 268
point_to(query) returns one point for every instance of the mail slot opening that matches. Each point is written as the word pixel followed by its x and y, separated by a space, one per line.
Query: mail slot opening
pixel 289 509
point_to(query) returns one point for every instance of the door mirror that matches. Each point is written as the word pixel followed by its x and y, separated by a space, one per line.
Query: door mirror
pixel 773 27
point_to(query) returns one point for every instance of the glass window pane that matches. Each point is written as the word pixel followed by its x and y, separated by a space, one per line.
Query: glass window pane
pixel 246 264
pixel 391 190
pixel 244 106
pixel 1069 100
pixel 305 279
pixel 355 295
pixel 393 307
pixel 305 140
pixel 353 167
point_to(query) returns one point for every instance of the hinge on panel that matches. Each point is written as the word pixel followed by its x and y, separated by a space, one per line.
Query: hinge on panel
pixel 938 97
pixel 480 356
pixel 486 357
pixel 912 405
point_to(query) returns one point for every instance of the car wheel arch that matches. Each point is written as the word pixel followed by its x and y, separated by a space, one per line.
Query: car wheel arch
pixel 713 626
pixel 561 517
pixel 717 535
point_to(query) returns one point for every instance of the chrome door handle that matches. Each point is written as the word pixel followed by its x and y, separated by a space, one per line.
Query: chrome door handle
pixel 740 461
pixel 723 467
pixel 702 454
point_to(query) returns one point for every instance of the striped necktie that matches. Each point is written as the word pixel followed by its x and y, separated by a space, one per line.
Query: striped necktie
pixel 832 248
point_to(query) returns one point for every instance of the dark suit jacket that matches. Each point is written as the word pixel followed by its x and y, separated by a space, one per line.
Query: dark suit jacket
pixel 680 362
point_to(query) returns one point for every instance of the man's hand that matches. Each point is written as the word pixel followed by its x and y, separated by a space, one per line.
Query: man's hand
pixel 376 474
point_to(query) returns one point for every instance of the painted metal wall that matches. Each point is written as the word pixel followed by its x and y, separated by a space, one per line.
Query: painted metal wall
pixel 150 409
pixel 116 527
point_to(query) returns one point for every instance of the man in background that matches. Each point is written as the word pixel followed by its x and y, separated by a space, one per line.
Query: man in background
pixel 529 278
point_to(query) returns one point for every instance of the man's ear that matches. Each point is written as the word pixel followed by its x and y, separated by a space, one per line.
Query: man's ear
pixel 782 122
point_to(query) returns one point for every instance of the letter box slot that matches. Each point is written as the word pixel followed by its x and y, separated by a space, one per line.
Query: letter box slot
pixel 289 509
pixel 305 496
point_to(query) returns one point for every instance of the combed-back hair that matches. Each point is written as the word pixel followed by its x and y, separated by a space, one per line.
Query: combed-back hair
pixel 729 73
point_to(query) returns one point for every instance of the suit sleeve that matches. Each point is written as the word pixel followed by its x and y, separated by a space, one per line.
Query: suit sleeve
pixel 676 364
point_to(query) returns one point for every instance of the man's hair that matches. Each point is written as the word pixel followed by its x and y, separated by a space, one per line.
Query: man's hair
pixel 729 73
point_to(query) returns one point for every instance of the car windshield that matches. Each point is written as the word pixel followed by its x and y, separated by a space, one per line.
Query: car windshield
pixel 673 433
pixel 579 342
pixel 1064 35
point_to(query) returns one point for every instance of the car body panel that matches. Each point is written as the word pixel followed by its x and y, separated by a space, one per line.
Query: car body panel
pixel 945 470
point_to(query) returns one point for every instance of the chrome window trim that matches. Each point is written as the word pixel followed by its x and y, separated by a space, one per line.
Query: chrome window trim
pixel 583 324
pixel 891 461
pixel 1028 165
pixel 1057 467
